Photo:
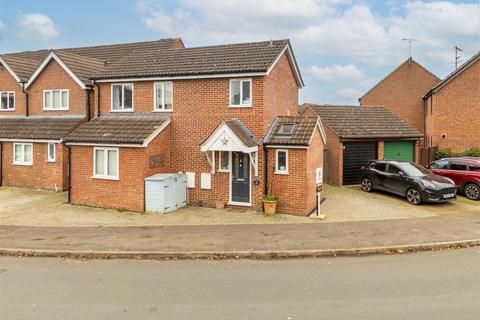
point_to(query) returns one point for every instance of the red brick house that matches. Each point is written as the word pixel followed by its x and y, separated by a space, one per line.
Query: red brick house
pixel 211 112
pixel 452 109
pixel 44 95
pixel 402 91
pixel 356 135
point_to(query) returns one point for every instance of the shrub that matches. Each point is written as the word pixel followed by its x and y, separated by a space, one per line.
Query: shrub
pixel 446 153
pixel 472 153
pixel 270 198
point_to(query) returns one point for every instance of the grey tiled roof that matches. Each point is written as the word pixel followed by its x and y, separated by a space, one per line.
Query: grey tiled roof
pixel 83 61
pixel 116 130
pixel 363 122
pixel 242 132
pixel 37 128
pixel 301 135
pixel 219 59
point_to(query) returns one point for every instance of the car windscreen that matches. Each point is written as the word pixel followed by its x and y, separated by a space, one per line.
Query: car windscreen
pixel 414 170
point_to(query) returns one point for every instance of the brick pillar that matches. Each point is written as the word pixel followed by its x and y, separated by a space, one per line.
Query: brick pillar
pixel 416 152
pixel 380 149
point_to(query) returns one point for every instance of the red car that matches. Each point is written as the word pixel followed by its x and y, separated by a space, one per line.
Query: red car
pixel 465 172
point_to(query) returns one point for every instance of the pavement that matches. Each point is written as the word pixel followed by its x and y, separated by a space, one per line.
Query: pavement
pixel 440 285
pixel 244 241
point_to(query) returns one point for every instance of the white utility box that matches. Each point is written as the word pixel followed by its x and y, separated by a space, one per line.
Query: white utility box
pixel 165 192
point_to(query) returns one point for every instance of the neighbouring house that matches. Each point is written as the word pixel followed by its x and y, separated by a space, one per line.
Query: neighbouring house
pixel 215 113
pixel 356 135
pixel 44 95
pixel 402 92
pixel 452 109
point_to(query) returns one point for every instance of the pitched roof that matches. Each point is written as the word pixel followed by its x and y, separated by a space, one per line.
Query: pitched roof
pixel 242 132
pixel 220 59
pixel 406 62
pixel 81 60
pixel 117 130
pixel 303 129
pixel 451 76
pixel 362 122
pixel 37 128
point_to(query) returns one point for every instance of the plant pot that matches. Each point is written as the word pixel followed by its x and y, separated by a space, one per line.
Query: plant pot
pixel 270 207
pixel 219 204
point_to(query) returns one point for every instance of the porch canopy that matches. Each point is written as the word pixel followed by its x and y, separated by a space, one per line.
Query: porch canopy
pixel 231 136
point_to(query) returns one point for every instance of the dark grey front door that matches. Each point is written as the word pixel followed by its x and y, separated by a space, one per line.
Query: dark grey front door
pixel 240 177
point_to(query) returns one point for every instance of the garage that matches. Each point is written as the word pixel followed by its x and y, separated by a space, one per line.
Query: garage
pixel 355 155
pixel 399 150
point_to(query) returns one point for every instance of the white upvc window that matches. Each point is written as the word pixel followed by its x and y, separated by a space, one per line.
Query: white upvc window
pixel 163 96
pixel 122 97
pixel 51 151
pixel 281 162
pixel 241 93
pixel 23 154
pixel 56 99
pixel 105 163
pixel 224 160
pixel 7 100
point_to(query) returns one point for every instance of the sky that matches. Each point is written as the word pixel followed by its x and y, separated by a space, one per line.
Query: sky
pixel 343 47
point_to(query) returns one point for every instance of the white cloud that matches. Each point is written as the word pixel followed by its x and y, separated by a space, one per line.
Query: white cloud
pixel 337 72
pixel 2 25
pixel 37 26
pixel 349 94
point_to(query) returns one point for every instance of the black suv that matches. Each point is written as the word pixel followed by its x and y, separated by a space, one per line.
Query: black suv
pixel 407 179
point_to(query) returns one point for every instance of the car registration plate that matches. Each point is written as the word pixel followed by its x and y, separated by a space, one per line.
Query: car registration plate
pixel 449 195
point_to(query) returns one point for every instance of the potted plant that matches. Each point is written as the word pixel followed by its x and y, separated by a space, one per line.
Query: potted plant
pixel 270 204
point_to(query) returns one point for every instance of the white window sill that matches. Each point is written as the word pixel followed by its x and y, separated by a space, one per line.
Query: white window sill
pixel 106 178
pixel 240 204
pixel 6 110
pixel 122 110
pixel 224 170
pixel 281 172
pixel 163 111
pixel 240 106
pixel 28 164
pixel 51 161
pixel 62 109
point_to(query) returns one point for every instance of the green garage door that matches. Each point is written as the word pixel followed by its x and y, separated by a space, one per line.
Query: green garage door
pixel 398 150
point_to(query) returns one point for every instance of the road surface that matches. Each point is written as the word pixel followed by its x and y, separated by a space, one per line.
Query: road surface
pixel 428 285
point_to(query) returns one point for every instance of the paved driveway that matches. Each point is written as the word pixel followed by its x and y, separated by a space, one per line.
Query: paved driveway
pixel 24 207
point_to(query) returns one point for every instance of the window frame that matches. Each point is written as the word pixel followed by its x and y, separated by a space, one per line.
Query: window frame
pixel 49 156
pixel 106 176
pixel 277 171
pixel 23 162
pixel 51 108
pixel 220 169
pixel 123 97
pixel 8 100
pixel 155 109
pixel 231 105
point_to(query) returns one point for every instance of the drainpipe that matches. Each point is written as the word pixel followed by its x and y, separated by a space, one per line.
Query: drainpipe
pixel 1 164
pixel 98 97
pixel 23 83
pixel 69 171
pixel 265 170
pixel 88 91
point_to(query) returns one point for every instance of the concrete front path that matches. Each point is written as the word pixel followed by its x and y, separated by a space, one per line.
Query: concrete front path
pixel 244 240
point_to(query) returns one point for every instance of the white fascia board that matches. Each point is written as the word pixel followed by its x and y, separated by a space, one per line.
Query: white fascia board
pixel 221 75
pixel 31 140
pixel 42 66
pixel 113 145
pixel 14 75
pixel 272 146
pixel 156 132
pixel 293 63
pixel 238 145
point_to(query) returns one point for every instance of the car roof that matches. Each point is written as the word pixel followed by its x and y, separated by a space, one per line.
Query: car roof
pixel 470 160
pixel 393 161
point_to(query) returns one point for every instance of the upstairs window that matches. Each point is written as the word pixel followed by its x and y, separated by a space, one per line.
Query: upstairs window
pixel 7 100
pixel 55 99
pixel 122 97
pixel 163 93
pixel 241 93
pixel 281 162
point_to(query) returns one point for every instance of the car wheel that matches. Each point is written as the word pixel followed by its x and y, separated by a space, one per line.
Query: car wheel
pixel 414 196
pixel 367 185
pixel 472 191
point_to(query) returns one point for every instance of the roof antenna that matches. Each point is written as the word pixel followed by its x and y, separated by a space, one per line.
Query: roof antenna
pixel 410 40
pixel 271 43
pixel 457 56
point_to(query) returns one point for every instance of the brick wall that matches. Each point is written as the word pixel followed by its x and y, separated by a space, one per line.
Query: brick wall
pixel 55 77
pixel 402 92
pixel 42 174
pixel 454 112
pixel 8 83
pixel 134 166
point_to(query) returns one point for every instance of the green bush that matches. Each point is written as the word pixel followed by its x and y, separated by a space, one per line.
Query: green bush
pixel 270 198
pixel 446 153
pixel 472 153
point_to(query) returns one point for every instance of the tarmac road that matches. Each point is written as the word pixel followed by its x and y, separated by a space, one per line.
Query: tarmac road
pixel 428 285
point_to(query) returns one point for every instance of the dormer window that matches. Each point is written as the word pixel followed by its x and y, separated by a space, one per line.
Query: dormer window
pixel 241 93
pixel 122 97
pixel 55 100
pixel 286 129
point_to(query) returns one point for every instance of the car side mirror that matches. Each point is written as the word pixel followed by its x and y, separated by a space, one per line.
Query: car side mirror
pixel 401 174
